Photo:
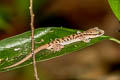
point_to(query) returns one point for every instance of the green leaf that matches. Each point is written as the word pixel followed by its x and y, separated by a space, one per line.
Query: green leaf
pixel 15 48
pixel 115 5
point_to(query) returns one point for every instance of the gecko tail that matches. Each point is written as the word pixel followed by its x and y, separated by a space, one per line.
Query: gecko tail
pixel 27 57
pixel 20 62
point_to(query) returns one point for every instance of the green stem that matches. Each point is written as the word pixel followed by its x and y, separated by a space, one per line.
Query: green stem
pixel 115 40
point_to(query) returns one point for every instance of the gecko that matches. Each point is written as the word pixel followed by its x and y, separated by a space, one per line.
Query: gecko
pixel 58 44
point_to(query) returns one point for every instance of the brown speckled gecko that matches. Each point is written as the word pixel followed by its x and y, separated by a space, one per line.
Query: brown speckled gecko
pixel 58 44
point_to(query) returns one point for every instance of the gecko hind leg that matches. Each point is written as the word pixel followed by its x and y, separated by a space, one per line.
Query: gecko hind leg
pixel 56 47
pixel 86 40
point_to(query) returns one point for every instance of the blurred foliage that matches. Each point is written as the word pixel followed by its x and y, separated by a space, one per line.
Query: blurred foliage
pixel 18 9
pixel 115 5
pixel 22 6
pixel 3 24
pixel 5 17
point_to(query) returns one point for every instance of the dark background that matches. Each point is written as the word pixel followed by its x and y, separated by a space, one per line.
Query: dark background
pixel 98 62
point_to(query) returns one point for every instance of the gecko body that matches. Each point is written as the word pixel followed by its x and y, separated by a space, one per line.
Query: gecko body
pixel 58 44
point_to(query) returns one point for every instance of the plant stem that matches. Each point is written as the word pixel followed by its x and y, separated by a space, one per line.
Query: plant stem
pixel 115 40
pixel 32 36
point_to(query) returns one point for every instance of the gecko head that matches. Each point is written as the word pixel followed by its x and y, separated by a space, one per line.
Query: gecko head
pixel 95 32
